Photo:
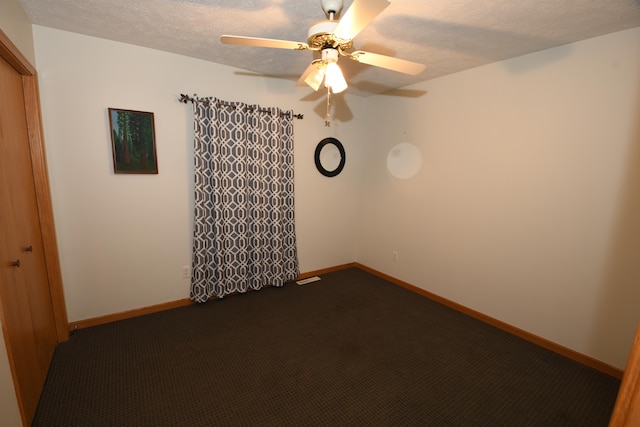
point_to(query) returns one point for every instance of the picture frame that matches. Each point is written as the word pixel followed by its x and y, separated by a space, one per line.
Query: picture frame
pixel 133 141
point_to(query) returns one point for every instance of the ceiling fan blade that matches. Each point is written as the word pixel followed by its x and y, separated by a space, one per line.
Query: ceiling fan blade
pixel 388 62
pixel 313 75
pixel 260 42
pixel 358 16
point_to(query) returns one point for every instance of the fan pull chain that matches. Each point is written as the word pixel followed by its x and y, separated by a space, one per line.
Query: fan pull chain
pixel 327 120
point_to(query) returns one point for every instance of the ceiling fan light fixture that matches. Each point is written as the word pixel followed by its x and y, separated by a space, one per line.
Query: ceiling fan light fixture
pixel 333 75
pixel 334 38
pixel 334 78
pixel 315 78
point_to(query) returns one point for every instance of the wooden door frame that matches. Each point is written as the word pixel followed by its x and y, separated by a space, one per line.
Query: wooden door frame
pixel 626 412
pixel 10 53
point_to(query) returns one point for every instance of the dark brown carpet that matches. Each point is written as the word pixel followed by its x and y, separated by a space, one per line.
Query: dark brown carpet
pixel 351 349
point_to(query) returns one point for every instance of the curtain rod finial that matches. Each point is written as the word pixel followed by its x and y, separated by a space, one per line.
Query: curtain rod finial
pixel 186 98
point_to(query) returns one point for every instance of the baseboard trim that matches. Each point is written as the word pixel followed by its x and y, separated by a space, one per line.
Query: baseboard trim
pixel 101 320
pixel 325 271
pixel 542 342
pixel 521 333
pixel 108 318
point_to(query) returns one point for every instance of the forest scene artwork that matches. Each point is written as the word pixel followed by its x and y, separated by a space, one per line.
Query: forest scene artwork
pixel 133 141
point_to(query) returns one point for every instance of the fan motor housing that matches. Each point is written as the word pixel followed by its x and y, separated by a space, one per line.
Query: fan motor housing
pixel 321 36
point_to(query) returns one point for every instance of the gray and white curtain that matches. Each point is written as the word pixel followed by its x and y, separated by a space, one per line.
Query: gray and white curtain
pixel 244 233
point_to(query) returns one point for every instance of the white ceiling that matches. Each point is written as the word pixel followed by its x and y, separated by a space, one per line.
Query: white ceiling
pixel 446 35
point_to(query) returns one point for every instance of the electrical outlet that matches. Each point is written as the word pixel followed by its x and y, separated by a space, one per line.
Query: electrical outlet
pixel 394 256
pixel 186 270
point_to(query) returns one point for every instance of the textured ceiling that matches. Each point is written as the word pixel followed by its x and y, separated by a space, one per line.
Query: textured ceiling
pixel 446 35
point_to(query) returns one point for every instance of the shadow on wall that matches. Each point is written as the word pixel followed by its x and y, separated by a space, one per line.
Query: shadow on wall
pixel 618 310
pixel 338 107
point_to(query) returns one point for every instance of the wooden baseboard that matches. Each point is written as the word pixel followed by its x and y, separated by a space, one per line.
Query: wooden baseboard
pixel 542 342
pixel 325 271
pixel 557 348
pixel 101 320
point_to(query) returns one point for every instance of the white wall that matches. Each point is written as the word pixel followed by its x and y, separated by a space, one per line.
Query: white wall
pixel 124 238
pixel 522 208
pixel 9 411
pixel 526 205
pixel 16 26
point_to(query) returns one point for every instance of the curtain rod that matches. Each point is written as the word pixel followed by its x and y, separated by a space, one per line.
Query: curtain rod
pixel 186 98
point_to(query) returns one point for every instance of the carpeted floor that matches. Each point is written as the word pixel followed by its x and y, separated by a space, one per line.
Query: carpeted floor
pixel 351 349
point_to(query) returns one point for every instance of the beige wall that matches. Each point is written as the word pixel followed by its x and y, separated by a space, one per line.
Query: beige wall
pixel 526 203
pixel 15 24
pixel 124 239
pixel 9 412
pixel 522 208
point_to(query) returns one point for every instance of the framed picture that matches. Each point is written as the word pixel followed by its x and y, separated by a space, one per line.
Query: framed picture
pixel 133 141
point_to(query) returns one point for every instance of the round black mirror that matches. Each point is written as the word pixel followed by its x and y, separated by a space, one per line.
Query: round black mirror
pixel 330 157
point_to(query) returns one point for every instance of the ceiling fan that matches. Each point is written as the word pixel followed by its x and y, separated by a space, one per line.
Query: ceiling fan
pixel 334 38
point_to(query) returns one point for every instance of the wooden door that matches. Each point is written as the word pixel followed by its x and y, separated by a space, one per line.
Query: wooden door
pixel 25 301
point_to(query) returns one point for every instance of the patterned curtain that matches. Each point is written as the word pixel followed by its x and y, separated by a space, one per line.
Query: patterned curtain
pixel 244 234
